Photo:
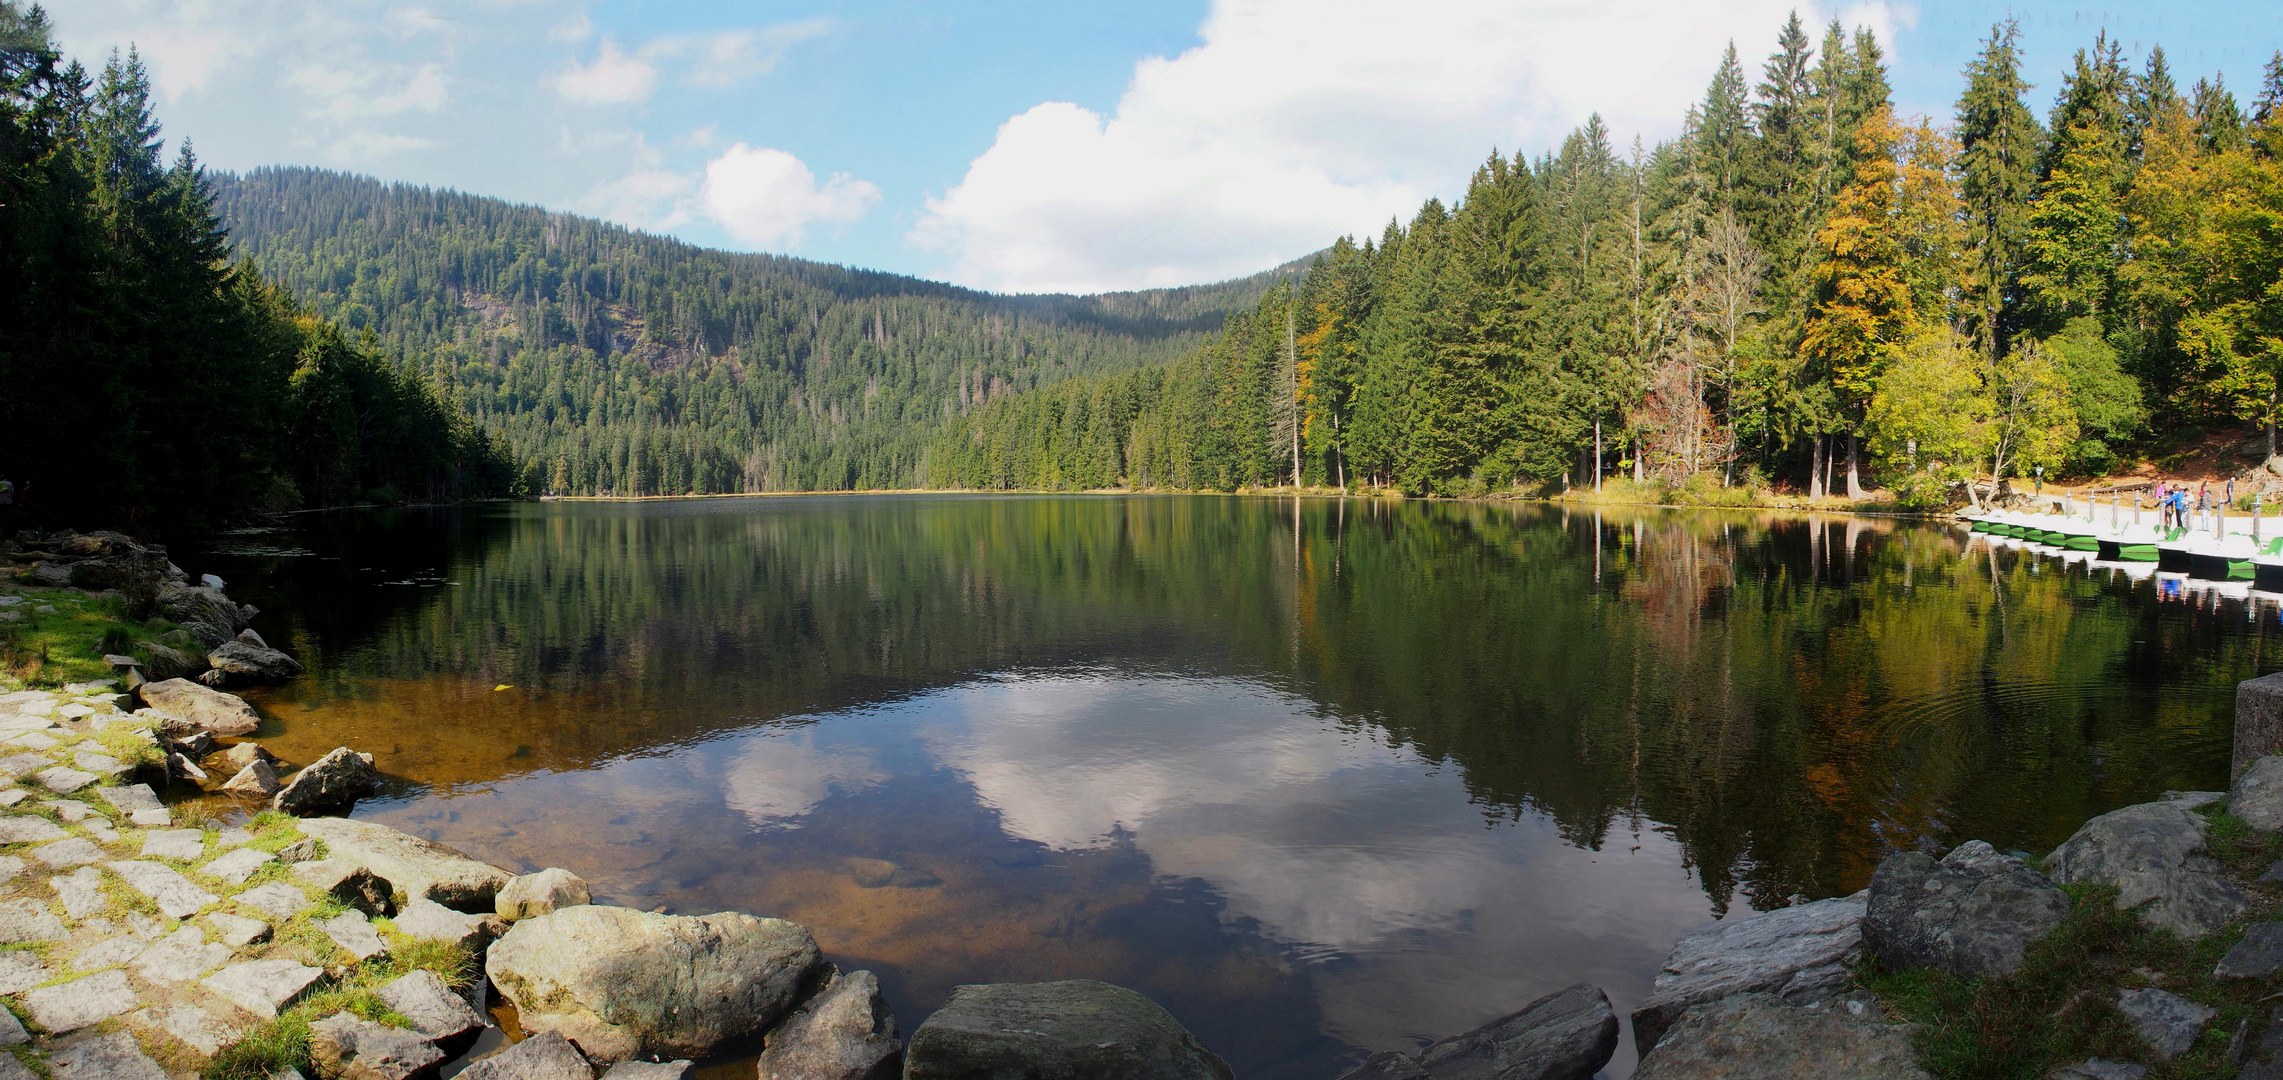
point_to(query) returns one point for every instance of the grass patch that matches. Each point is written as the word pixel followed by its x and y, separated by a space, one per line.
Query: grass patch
pixel 119 739
pixel 284 1043
pixel 125 900
pixel 47 649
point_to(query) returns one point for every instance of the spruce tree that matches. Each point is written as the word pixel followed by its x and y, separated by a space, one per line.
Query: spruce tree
pixel 2075 241
pixel 1999 142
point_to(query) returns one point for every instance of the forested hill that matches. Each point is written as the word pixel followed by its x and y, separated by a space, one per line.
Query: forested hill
pixel 609 360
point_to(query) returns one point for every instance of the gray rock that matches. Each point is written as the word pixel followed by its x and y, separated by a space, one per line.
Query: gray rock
pixel 195 1027
pixel 103 766
pixel 2154 854
pixel 12 1069
pixel 12 1030
pixel 194 745
pixel 210 616
pixel 1800 953
pixel 2096 1069
pixel 257 779
pixel 64 781
pixel 334 782
pixel 238 864
pixel 110 952
pixel 1971 914
pixel 169 663
pixel 544 1056
pixel 624 984
pixel 109 1057
pixel 27 829
pixel 151 819
pixel 2257 956
pixel 183 844
pixel 18 766
pixel 67 1007
pixel 172 892
pixel 650 1070
pixel 23 921
pixel 65 854
pixel 277 899
pixel 237 931
pixel 81 892
pixel 419 867
pixel 350 883
pixel 1762 1037
pixel 344 1047
pixel 1079 1028
pixel 242 663
pixel 246 753
pixel 263 987
pixel 303 850
pixel 180 957
pixel 1566 1035
pixel 2257 795
pixel 533 895
pixel 845 1032
pixel 201 707
pixel 2167 1022
pixel 437 1014
pixel 21 970
pixel 428 920
pixel 354 933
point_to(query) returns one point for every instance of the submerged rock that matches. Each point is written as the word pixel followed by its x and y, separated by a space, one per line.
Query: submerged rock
pixel 1566 1035
pixel 1971 914
pixel 1760 1036
pixel 845 1032
pixel 1800 954
pixel 217 712
pixel 2154 854
pixel 623 984
pixel 1079 1028
pixel 335 782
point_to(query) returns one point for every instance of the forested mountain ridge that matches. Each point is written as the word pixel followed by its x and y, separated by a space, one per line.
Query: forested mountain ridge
pixel 613 361
pixel 1800 284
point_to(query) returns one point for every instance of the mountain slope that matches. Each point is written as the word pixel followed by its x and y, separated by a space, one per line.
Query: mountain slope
pixel 614 361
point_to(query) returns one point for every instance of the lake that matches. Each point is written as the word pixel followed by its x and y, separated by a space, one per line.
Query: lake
pixel 1321 776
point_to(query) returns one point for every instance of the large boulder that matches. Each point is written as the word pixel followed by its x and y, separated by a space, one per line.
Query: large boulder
pixel 2154 854
pixel 1566 1035
pixel 845 1032
pixel 1762 1037
pixel 200 707
pixel 623 983
pixel 345 1047
pixel 1971 914
pixel 1801 954
pixel 204 611
pixel 333 782
pixel 245 663
pixel 2257 795
pixel 533 895
pixel 440 1017
pixel 166 662
pixel 422 869
pixel 1056 1030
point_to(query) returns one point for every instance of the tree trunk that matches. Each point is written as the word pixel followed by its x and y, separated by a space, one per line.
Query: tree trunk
pixel 1815 470
pixel 1597 457
pixel 1854 473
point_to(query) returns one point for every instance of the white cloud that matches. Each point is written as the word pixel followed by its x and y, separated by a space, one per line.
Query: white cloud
pixel 364 147
pixel 343 93
pixel 576 29
pixel 767 198
pixel 613 78
pixel 653 199
pixel 1298 120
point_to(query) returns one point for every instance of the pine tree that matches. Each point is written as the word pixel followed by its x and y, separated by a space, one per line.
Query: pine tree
pixel 2075 243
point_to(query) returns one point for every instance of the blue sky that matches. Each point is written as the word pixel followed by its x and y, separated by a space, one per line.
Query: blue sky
pixel 1013 146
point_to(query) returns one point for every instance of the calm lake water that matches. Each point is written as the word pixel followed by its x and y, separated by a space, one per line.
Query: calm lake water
pixel 1321 777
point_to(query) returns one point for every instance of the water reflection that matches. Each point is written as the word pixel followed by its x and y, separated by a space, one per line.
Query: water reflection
pixel 1323 777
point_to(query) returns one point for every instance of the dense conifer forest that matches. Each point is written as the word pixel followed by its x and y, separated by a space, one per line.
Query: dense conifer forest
pixel 1802 286
pixel 611 361
pixel 148 381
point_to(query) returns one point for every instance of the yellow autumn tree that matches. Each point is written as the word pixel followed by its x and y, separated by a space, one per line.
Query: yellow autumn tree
pixel 1863 311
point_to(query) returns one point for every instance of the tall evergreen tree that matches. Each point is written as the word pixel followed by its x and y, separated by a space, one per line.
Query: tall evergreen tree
pixel 1999 143
pixel 2075 241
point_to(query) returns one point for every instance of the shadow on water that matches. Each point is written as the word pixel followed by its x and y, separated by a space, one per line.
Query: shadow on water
pixel 1323 777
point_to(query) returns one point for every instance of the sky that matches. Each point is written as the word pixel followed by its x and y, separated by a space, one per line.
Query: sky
pixel 1010 145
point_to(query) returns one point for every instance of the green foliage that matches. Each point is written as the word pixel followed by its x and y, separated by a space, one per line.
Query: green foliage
pixel 121 312
pixel 2106 400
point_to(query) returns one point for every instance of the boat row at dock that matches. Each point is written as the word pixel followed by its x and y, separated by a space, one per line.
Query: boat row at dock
pixel 2208 545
